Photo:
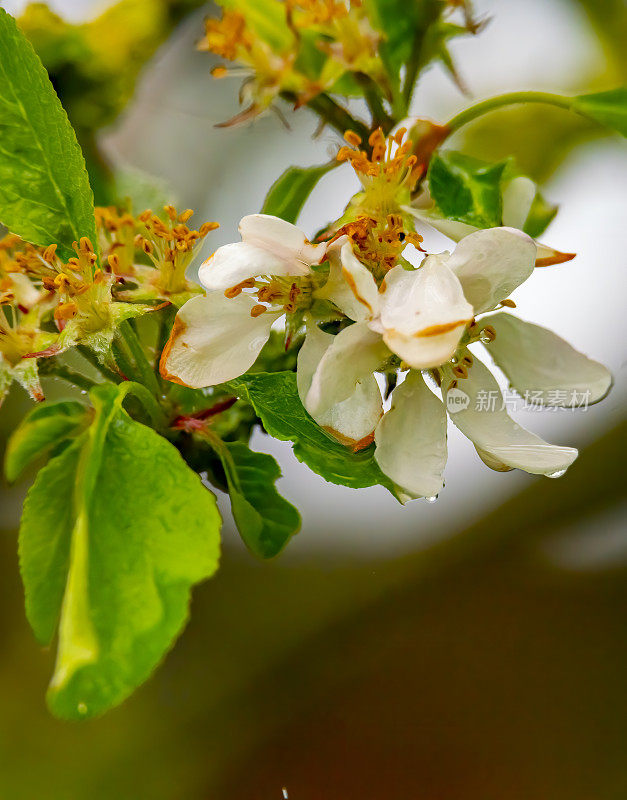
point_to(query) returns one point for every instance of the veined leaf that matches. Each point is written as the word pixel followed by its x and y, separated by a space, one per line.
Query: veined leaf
pixel 275 399
pixel 607 108
pixel 45 195
pixel 115 532
pixel 471 191
pixel 289 192
pixel 46 427
pixel 265 520
pixel 467 190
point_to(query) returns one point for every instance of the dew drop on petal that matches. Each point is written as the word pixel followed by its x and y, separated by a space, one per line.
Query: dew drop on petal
pixel 484 338
pixel 557 474
pixel 432 498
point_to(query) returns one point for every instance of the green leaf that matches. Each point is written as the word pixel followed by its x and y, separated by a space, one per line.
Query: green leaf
pixel 466 189
pixel 404 25
pixel 265 520
pixel 275 399
pixel 289 192
pixel 540 216
pixel 45 195
pixel 115 532
pixel 43 429
pixel 607 108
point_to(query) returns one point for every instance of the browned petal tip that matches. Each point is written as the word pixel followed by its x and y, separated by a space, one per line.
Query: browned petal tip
pixel 556 258
pixel 353 444
pixel 178 329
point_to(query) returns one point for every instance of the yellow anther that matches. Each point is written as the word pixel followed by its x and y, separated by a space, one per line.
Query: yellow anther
pixel 65 311
pixel 207 227
pixel 352 138
pixel 50 253
pixel 61 281
pixel 256 311
pixel 508 303
pixel 185 215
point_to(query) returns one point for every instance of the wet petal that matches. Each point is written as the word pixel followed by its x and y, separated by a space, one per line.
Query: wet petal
pixel 281 238
pixel 500 441
pixel 492 263
pixel 411 439
pixel 214 340
pixel 538 361
pixel 350 286
pixel 424 313
pixel 355 353
pixel 353 420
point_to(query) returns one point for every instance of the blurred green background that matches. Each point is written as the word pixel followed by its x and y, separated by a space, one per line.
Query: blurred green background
pixel 471 649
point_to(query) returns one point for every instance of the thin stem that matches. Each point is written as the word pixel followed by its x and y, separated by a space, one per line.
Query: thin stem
pixel 69 375
pixel 380 117
pixel 511 98
pixel 337 117
pixel 144 368
pixel 123 356
pixel 149 402
pixel 90 356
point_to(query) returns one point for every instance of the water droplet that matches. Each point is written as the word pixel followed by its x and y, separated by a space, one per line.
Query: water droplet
pixel 485 338
pixel 454 360
pixel 557 474
pixel 432 498
pixel 82 708
pixel 83 391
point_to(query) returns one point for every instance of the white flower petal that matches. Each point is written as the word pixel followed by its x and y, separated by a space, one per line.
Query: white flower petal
pixel 26 294
pixel 354 354
pixel 353 420
pixel 492 263
pixel 214 339
pixel 537 360
pixel 281 238
pixel 495 434
pixel 449 227
pixel 237 262
pixel 350 286
pixel 424 312
pixel 518 196
pixel 411 439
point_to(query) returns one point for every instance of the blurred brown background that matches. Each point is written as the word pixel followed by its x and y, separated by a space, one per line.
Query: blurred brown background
pixel 471 649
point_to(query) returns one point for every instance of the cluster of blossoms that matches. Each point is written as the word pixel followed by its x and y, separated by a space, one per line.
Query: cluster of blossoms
pixel 300 49
pixel 302 31
pixel 49 304
pixel 374 309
